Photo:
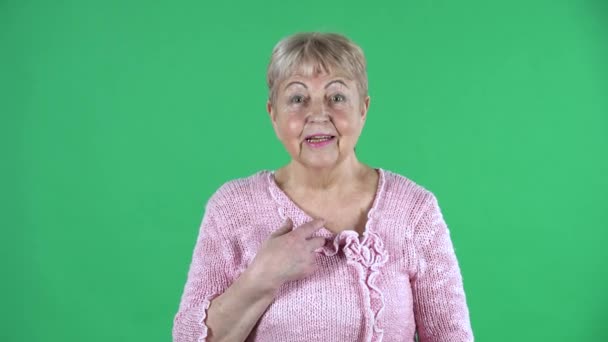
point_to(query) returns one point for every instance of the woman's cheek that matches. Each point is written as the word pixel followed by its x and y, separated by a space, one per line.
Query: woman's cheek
pixel 293 129
pixel 343 124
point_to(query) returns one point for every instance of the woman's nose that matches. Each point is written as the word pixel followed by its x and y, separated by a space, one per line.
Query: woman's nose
pixel 318 111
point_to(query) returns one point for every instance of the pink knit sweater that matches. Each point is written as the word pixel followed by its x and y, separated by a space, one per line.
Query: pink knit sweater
pixel 400 276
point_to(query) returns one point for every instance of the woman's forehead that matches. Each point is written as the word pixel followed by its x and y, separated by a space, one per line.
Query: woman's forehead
pixel 316 69
pixel 309 73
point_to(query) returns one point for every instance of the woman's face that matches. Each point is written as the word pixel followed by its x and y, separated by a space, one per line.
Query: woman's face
pixel 325 106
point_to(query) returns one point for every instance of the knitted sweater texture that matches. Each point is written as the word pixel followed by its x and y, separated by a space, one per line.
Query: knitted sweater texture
pixel 400 276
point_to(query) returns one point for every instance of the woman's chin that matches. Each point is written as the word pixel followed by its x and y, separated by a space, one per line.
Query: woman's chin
pixel 320 163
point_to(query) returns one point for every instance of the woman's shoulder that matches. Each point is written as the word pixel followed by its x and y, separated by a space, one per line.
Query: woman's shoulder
pixel 405 194
pixel 400 184
pixel 241 190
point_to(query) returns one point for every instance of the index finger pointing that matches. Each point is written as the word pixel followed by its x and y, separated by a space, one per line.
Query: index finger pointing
pixel 308 228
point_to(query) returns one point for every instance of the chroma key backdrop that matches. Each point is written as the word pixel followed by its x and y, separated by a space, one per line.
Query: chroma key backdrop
pixel 120 118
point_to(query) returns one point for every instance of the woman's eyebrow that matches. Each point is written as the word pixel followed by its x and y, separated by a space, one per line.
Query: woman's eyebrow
pixel 295 82
pixel 336 81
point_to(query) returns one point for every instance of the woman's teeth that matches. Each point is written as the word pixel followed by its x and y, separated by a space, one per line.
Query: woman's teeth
pixel 319 138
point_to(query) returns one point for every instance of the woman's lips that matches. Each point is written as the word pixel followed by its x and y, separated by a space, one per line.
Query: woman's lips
pixel 320 144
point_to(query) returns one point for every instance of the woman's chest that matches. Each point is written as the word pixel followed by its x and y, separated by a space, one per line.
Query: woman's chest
pixel 340 302
pixel 314 309
pixel 339 215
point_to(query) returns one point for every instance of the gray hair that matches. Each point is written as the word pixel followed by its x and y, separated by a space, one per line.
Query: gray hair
pixel 311 53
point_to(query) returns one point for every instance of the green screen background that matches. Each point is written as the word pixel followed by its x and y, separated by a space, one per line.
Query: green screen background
pixel 120 119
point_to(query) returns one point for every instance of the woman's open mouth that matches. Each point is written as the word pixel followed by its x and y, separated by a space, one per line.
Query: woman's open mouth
pixel 320 141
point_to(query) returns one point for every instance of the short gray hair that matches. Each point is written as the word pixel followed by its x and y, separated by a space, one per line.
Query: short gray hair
pixel 311 53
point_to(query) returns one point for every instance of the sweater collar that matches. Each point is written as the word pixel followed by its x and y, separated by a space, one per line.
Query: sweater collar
pixel 288 208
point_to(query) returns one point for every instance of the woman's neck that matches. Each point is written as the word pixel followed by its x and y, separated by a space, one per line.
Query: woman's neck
pixel 299 178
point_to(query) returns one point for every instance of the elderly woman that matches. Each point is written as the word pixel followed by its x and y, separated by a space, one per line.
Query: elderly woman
pixel 324 248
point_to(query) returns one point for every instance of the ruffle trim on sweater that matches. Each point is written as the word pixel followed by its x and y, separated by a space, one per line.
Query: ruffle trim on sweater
pixel 201 321
pixel 368 256
pixel 366 253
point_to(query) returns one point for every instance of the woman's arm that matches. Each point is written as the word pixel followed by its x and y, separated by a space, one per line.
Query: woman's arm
pixel 219 306
pixel 211 273
pixel 232 315
pixel 440 307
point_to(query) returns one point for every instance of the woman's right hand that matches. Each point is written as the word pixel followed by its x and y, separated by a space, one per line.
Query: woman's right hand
pixel 287 255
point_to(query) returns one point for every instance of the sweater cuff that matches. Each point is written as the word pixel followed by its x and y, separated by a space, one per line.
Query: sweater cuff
pixel 203 316
pixel 190 325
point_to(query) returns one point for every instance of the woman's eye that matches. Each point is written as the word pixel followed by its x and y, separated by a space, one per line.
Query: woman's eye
pixel 296 99
pixel 338 98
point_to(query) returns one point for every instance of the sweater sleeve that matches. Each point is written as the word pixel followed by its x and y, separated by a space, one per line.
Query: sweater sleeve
pixel 440 307
pixel 211 272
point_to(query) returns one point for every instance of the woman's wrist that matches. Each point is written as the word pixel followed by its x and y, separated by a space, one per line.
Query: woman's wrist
pixel 259 284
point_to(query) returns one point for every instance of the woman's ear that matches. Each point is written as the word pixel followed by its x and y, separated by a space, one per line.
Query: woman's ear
pixel 365 107
pixel 270 111
pixel 272 114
